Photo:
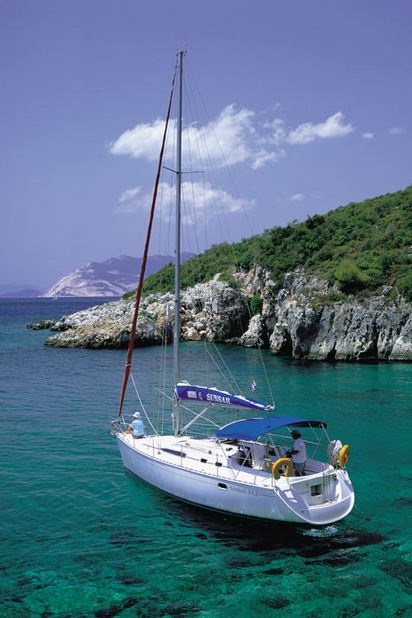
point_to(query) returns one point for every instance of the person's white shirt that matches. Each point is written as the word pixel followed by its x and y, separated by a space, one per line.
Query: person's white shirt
pixel 299 445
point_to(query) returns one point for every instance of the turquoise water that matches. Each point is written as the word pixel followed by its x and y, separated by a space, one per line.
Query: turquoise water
pixel 79 537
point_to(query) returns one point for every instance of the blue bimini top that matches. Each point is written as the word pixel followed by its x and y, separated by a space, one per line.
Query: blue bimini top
pixel 252 428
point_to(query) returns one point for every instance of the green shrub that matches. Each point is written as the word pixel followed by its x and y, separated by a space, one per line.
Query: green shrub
pixel 255 305
pixel 361 246
pixel 405 286
pixel 349 277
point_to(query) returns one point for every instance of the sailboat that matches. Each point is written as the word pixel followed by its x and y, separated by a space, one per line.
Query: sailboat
pixel 245 468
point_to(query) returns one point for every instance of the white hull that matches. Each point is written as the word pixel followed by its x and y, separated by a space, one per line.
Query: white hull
pixel 205 473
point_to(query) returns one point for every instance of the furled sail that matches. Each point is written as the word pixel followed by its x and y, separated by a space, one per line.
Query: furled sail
pixel 215 397
pixel 139 290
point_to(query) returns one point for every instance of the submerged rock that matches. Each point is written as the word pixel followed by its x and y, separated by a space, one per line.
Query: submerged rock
pixel 41 325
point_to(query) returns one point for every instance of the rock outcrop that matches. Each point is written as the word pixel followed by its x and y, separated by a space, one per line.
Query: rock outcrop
pixel 305 318
pixel 212 311
pixel 103 326
pixel 362 330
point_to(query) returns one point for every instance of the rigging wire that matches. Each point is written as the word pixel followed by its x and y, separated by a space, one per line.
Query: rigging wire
pixel 195 213
pixel 200 137
pixel 225 166
pixel 224 364
pixel 142 405
pixel 139 289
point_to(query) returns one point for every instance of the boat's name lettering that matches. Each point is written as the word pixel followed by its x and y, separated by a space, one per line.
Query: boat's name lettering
pixel 217 398
pixel 238 490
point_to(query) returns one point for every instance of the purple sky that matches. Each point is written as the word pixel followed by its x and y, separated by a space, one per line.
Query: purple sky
pixel 312 101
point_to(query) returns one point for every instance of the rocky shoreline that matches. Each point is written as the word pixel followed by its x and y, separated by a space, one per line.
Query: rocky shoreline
pixel 306 318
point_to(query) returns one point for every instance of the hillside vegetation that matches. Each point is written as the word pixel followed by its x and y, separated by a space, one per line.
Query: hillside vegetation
pixel 360 247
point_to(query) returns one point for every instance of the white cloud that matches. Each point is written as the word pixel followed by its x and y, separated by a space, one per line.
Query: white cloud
pixel 276 131
pixel 130 200
pixel 142 141
pixel 129 194
pixel 297 197
pixel 236 136
pixel 396 130
pixel 333 126
pixel 368 135
pixel 229 139
pixel 263 156
pixel 196 197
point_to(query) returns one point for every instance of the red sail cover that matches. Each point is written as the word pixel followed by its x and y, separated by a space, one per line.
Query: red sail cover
pixel 132 336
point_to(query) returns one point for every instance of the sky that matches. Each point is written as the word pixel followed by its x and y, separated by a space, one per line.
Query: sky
pixel 310 99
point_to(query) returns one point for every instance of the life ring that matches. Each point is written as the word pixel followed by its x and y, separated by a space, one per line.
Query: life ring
pixel 344 455
pixel 283 461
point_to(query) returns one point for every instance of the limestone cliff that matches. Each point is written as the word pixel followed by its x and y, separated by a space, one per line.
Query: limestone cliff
pixel 304 318
pixel 300 320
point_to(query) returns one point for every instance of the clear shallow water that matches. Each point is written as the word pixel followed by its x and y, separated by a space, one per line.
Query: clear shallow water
pixel 79 537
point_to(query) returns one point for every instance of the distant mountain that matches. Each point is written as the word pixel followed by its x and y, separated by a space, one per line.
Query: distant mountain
pixel 28 293
pixel 113 277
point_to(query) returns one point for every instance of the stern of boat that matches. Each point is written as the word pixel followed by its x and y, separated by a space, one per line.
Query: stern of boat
pixel 318 499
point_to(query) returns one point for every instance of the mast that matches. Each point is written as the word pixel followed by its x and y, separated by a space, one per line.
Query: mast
pixel 176 328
